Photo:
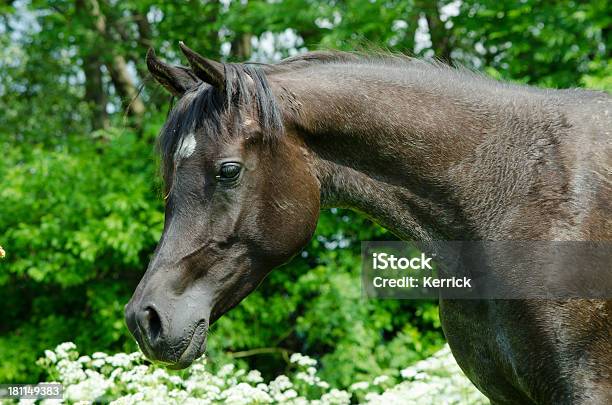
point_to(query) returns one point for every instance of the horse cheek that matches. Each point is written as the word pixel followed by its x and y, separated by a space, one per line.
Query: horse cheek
pixel 291 215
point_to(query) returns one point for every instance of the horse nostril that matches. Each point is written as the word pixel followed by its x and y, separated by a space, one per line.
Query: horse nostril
pixel 151 323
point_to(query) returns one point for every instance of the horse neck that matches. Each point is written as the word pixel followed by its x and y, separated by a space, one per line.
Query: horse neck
pixel 395 142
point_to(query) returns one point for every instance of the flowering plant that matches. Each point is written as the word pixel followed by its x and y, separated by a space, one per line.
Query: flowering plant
pixel 129 379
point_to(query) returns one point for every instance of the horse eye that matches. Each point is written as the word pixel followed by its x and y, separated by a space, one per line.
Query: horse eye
pixel 229 171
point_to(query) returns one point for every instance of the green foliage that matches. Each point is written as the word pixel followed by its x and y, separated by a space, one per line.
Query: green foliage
pixel 80 206
pixel 551 44
pixel 77 235
pixel 82 190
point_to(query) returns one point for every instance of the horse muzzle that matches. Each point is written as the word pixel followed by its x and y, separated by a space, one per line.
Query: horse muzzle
pixel 175 343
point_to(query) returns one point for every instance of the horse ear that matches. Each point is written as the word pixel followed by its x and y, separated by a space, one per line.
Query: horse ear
pixel 209 71
pixel 176 79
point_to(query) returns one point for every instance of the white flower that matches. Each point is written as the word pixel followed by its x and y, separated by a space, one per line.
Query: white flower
pixel 64 350
pixel 87 390
pixel 263 386
pixel 98 363
pixel 120 380
pixel 336 397
pixel 408 373
pixel 115 373
pixel 119 360
pixel 175 379
pixel 51 356
pixel 280 384
pixel 197 368
pixel 323 384
pixel 136 356
pixel 243 393
pixel 70 372
pixel 361 385
pixel 66 346
pixel 307 378
pixel 254 376
pixel 302 360
pixel 160 373
pixel 420 376
pixel 226 370
pixel 291 393
pixel 380 379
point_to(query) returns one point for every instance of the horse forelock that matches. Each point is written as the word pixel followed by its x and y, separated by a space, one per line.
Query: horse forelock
pixel 216 116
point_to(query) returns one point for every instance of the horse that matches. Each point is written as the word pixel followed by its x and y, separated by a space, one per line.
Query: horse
pixel 252 152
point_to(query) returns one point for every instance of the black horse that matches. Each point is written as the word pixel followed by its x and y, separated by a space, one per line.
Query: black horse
pixel 251 153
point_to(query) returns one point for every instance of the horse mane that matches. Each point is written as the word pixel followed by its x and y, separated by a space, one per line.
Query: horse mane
pixel 457 74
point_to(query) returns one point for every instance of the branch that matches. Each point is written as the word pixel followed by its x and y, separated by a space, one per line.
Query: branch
pixel 263 350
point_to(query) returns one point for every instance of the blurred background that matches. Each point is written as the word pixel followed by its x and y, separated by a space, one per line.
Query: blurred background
pixel 80 197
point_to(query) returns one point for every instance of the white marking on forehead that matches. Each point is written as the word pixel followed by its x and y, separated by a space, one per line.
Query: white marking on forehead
pixel 186 147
